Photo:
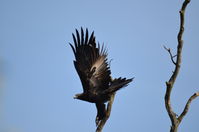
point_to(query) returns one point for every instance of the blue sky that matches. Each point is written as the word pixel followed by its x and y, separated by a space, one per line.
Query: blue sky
pixel 39 79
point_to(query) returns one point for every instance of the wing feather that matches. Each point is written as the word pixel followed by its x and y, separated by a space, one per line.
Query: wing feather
pixel 78 38
pixel 82 36
pixel 91 62
pixel 86 37
pixel 75 42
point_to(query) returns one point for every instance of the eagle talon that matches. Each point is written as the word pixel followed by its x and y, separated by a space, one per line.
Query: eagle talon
pixel 97 121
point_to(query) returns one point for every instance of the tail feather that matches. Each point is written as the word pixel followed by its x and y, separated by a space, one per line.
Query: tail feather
pixel 117 84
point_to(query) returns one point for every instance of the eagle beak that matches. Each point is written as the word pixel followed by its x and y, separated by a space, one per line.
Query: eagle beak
pixel 75 97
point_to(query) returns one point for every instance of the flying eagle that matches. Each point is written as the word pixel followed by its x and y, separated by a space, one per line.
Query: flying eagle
pixel 94 72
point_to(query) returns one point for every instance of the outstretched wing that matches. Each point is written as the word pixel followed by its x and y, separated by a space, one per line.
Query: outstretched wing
pixel 91 62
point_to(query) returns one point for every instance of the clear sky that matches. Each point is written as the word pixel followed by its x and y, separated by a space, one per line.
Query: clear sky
pixel 38 79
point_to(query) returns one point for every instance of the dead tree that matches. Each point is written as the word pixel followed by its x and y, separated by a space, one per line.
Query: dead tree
pixel 176 120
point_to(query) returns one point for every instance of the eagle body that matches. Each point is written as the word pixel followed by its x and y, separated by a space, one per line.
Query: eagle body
pixel 94 72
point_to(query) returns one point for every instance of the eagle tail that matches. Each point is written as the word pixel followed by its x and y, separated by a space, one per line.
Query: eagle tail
pixel 117 84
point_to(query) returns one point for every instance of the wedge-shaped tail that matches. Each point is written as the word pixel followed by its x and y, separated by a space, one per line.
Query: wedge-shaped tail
pixel 117 84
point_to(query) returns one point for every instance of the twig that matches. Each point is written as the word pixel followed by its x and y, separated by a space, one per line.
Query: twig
pixel 108 112
pixel 169 51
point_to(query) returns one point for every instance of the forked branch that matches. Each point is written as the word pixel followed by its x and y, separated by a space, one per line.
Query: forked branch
pixel 169 84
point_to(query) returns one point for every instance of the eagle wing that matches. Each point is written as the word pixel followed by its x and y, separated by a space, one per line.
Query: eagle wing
pixel 90 62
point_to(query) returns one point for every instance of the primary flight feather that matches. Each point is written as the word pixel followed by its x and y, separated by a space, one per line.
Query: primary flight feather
pixel 94 72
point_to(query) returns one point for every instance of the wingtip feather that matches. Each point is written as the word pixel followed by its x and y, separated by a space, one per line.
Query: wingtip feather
pixel 78 37
pixel 82 36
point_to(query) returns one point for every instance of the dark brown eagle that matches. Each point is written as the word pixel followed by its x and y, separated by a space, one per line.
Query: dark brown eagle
pixel 94 72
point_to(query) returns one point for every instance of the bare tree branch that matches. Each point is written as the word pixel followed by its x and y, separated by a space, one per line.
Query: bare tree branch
pixel 169 84
pixel 108 112
pixel 169 51
pixel 186 108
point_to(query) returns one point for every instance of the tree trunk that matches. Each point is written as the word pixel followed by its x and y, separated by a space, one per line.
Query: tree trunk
pixel 174 127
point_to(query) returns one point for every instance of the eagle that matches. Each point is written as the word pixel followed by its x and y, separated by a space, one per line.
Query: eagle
pixel 94 72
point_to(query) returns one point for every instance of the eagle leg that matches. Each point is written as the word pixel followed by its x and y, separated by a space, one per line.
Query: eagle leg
pixel 101 112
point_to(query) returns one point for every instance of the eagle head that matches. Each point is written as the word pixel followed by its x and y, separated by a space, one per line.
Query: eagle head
pixel 81 96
